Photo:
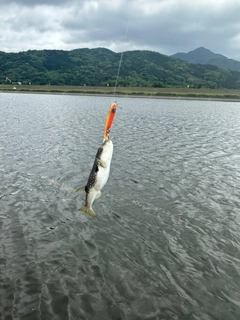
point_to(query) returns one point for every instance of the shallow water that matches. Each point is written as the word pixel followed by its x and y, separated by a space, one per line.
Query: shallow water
pixel 166 241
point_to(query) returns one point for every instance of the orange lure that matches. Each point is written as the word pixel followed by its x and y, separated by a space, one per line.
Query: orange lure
pixel 109 120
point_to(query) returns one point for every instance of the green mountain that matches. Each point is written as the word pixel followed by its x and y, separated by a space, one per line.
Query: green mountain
pixel 205 56
pixel 99 67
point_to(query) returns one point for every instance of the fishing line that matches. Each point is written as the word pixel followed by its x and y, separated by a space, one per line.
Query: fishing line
pixel 121 58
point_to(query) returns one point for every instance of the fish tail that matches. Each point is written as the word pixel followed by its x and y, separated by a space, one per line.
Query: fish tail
pixel 88 211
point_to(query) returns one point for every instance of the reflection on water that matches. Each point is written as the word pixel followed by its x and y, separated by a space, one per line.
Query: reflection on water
pixel 165 244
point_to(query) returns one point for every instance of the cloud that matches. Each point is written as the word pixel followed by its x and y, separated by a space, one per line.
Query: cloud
pixel 166 26
pixel 33 3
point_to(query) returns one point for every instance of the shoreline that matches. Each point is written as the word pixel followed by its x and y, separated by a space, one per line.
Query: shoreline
pixel 171 96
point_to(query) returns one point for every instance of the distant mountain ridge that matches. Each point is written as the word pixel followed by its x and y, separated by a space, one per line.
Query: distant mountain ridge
pixel 99 67
pixel 204 56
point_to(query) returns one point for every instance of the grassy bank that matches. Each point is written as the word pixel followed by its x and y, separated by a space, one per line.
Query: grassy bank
pixel 177 93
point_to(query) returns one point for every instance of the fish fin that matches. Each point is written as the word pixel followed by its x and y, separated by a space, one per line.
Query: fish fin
pixel 80 190
pixel 98 195
pixel 102 163
pixel 88 211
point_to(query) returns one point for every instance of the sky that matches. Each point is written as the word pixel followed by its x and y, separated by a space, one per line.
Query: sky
pixel 164 26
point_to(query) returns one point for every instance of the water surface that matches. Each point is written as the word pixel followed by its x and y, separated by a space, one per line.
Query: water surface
pixel 166 242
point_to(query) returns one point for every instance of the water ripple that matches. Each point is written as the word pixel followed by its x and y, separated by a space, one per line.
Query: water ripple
pixel 165 244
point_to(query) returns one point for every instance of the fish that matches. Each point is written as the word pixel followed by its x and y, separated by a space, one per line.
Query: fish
pixel 109 120
pixel 98 176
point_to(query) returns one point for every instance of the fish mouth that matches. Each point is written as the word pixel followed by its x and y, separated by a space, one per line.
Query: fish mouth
pixel 107 140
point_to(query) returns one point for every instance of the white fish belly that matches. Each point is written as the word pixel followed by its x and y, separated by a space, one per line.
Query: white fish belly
pixel 102 178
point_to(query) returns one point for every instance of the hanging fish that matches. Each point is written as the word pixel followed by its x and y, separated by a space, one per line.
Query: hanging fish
pixel 101 167
pixel 98 176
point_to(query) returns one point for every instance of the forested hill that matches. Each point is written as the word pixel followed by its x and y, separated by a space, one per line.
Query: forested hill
pixel 99 67
pixel 204 56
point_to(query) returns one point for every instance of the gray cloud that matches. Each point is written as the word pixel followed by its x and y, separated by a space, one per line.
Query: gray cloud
pixel 32 3
pixel 166 26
